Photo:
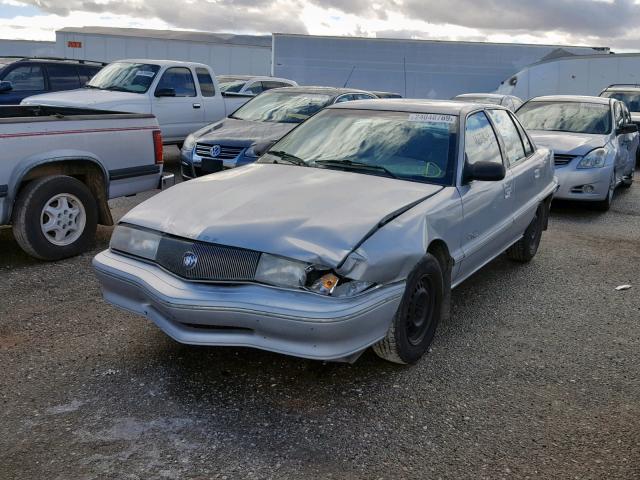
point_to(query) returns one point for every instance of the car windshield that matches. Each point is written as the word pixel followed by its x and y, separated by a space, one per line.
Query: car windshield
pixel 409 146
pixel 481 99
pixel 231 84
pixel 282 107
pixel 573 117
pixel 630 99
pixel 125 77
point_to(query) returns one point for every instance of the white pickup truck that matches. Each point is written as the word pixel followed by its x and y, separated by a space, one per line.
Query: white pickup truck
pixel 183 96
pixel 59 166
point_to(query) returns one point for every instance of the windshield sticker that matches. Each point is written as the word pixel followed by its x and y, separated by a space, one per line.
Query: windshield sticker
pixel 144 73
pixel 432 118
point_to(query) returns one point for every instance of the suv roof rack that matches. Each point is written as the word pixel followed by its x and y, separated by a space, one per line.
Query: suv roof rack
pixel 62 59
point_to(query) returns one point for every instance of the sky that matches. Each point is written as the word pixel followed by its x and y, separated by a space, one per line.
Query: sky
pixel 610 23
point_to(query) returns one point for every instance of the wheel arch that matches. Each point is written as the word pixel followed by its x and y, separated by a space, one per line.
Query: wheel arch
pixel 439 249
pixel 85 169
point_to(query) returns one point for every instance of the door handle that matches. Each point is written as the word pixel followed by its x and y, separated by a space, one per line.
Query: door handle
pixel 196 105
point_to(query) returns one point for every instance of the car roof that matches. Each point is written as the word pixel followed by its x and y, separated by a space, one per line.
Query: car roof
pixel 622 88
pixel 485 95
pixel 333 91
pixel 445 107
pixel 572 98
pixel 254 77
pixel 59 61
pixel 162 63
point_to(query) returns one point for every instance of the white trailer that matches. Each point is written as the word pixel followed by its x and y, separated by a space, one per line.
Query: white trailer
pixel 224 53
pixel 412 68
pixel 27 48
pixel 578 75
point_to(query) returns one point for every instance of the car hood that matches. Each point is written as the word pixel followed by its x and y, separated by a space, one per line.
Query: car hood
pixel 93 98
pixel 310 214
pixel 568 143
pixel 244 132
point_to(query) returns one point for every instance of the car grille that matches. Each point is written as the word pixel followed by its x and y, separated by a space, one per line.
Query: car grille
pixel 560 159
pixel 226 152
pixel 215 263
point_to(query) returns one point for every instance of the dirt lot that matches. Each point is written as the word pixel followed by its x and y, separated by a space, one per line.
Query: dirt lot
pixel 536 375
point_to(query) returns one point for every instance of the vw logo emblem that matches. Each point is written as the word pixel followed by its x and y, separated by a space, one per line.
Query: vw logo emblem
pixel 215 151
pixel 189 260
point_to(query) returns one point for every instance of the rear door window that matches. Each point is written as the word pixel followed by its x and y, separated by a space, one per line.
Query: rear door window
pixel 180 80
pixel 207 87
pixel 480 142
pixel 26 78
pixel 510 136
pixel 63 76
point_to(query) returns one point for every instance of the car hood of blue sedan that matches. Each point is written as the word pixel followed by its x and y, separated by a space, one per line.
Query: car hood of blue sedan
pixel 243 132
pixel 315 215
pixel 568 143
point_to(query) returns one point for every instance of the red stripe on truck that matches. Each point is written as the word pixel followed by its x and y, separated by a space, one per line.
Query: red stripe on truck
pixel 68 132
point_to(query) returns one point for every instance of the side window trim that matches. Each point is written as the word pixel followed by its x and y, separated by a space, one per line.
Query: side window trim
pixel 463 143
pixel 501 145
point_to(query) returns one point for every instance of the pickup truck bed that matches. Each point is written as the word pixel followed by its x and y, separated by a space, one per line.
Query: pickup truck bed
pixel 80 156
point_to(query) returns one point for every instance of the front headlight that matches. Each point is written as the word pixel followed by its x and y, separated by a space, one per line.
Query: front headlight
pixel 189 143
pixel 134 241
pixel 281 271
pixel 594 159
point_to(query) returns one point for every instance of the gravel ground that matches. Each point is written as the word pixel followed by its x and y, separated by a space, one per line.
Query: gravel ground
pixel 534 376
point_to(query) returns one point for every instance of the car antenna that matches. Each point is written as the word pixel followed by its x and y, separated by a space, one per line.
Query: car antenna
pixel 349 77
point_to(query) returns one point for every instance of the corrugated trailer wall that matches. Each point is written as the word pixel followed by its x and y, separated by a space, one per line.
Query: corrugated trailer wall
pixel 413 68
pixel 223 58
pixel 28 48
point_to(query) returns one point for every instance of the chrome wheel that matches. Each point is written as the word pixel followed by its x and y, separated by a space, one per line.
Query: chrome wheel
pixel 63 219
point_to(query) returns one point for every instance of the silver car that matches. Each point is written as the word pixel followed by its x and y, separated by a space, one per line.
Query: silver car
pixel 349 232
pixel 594 143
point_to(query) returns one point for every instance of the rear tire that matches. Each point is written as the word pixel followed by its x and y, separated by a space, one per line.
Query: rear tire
pixel 55 217
pixel 526 248
pixel 414 324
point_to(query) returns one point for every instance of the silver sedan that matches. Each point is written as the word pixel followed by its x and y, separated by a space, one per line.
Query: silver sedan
pixel 594 143
pixel 349 232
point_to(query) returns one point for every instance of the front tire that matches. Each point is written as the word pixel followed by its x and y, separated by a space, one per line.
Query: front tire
pixel 414 324
pixel 55 217
pixel 526 248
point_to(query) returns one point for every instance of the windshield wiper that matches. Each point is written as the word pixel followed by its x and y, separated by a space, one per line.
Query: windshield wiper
pixel 117 89
pixel 351 165
pixel 288 158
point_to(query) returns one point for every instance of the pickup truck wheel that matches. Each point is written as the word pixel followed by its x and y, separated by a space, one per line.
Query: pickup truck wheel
pixel 55 217
pixel 414 324
pixel 526 248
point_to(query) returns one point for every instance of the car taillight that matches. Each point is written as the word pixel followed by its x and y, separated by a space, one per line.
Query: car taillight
pixel 157 146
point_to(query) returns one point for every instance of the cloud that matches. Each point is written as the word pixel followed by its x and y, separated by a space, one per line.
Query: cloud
pixel 220 15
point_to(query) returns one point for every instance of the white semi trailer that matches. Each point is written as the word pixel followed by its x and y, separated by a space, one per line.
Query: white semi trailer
pixel 573 75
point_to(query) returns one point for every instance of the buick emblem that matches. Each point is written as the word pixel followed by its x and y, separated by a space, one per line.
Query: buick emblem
pixel 189 260
pixel 215 151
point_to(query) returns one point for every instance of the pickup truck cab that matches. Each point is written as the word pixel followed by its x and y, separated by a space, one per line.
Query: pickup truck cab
pixel 349 232
pixel 183 96
pixel 60 166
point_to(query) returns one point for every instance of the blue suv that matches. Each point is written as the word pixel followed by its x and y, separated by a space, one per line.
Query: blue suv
pixel 22 77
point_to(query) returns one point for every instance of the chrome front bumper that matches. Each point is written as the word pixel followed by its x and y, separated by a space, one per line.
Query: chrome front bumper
pixel 291 322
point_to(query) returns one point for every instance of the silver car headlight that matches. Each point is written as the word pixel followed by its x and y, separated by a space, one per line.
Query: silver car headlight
pixel 280 271
pixel 134 241
pixel 594 159
pixel 189 143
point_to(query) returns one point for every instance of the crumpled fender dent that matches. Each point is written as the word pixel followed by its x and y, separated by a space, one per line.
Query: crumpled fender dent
pixel 390 251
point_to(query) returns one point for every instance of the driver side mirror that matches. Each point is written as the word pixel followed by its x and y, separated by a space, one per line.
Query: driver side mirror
pixel 484 172
pixel 165 92
pixel 5 86
pixel 627 128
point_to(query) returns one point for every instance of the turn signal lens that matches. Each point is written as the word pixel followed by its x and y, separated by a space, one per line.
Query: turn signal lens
pixel 325 284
